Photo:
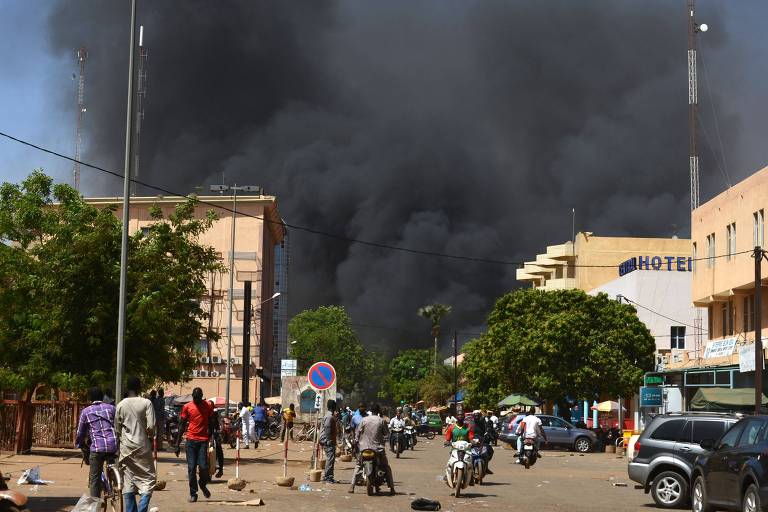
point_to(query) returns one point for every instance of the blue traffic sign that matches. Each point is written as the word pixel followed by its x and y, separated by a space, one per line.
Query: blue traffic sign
pixel 321 376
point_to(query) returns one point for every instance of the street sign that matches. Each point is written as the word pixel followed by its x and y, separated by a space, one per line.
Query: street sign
pixel 651 380
pixel 318 401
pixel 288 367
pixel 651 397
pixel 321 376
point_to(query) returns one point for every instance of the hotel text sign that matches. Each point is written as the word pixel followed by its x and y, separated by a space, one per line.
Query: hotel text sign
pixel 668 263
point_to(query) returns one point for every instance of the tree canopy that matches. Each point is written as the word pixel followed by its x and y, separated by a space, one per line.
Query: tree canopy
pixel 326 334
pixel 558 344
pixel 405 373
pixel 59 280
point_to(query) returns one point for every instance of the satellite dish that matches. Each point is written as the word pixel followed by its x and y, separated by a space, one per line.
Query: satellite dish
pixel 703 27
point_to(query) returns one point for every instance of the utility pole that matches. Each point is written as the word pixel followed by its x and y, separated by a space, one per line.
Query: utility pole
pixel 82 55
pixel 221 189
pixel 455 374
pixel 120 366
pixel 758 255
pixel 246 341
pixel 141 94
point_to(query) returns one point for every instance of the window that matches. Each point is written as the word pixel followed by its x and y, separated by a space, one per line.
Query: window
pixel 758 228
pixel 668 431
pixel 710 321
pixel 749 313
pixel 145 231
pixel 749 437
pixel 730 437
pixel 726 313
pixel 685 434
pixel 707 430
pixel 557 423
pixel 730 246
pixel 677 333
pixel 711 250
pixel 695 257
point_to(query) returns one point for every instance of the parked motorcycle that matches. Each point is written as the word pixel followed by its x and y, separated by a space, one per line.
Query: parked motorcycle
pixel 459 470
pixel 529 454
pixel 410 437
pixel 374 475
pixel 171 426
pixel 229 431
pixel 397 441
pixel 348 443
pixel 11 501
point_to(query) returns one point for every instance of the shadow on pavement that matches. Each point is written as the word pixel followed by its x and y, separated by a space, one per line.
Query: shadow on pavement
pixel 49 504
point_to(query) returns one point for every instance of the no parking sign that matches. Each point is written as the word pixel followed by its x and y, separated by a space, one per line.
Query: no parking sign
pixel 321 376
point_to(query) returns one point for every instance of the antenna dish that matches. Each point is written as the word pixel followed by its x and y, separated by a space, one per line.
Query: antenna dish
pixel 703 27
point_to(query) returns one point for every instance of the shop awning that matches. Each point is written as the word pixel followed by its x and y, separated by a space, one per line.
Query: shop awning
pixel 724 399
pixel 518 400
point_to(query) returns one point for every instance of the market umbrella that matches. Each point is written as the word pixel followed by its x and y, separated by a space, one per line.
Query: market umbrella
pixel 518 400
pixel 607 406
pixel 182 399
pixel 273 400
pixel 220 401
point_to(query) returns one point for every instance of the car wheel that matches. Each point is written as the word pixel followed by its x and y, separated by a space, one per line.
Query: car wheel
pixel 699 496
pixel 751 501
pixel 669 489
pixel 582 445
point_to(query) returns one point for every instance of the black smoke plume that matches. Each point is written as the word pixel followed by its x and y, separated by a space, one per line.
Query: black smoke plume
pixel 461 127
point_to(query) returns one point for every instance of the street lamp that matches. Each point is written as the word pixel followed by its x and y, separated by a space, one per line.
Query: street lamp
pixel 221 189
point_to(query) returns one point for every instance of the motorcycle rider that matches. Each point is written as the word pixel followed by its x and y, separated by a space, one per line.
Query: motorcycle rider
pixel 459 432
pixel 396 422
pixel 485 435
pixel 530 428
pixel 371 434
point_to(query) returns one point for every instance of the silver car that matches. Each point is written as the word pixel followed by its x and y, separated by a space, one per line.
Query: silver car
pixel 559 433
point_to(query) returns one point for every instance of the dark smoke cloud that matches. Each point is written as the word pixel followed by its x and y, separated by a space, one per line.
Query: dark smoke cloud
pixel 455 126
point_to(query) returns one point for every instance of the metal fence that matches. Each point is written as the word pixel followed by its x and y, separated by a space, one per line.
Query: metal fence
pixel 9 409
pixel 54 424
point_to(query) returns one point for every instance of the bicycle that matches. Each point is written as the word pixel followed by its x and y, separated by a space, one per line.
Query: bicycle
pixel 112 488
pixel 306 433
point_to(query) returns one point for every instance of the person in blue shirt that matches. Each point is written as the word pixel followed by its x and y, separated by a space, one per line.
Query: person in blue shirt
pixel 259 421
pixel 360 413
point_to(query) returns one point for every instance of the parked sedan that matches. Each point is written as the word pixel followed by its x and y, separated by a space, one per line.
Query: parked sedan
pixel 732 473
pixel 559 433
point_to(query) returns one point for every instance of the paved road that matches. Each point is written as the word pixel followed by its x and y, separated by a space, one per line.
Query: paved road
pixel 560 481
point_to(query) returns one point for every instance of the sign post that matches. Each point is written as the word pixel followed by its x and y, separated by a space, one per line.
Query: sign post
pixel 321 376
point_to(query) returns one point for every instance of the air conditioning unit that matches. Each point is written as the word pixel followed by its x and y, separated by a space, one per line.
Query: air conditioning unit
pixel 205 360
pixel 216 359
pixel 194 373
pixel 202 373
pixel 236 360
pixel 214 373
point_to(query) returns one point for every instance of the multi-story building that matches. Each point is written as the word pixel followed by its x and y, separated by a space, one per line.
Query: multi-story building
pixel 595 260
pixel 280 324
pixel 258 231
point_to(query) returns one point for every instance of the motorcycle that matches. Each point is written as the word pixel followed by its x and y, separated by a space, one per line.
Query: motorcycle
pixel 480 457
pixel 397 441
pixel 410 437
pixel 171 426
pixel 373 476
pixel 529 454
pixel 229 431
pixel 11 501
pixel 425 430
pixel 459 470
pixel 348 443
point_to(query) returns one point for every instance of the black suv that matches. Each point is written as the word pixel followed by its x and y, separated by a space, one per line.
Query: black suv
pixel 663 457
pixel 732 473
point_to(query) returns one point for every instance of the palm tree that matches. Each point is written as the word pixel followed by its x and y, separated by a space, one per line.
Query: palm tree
pixel 434 313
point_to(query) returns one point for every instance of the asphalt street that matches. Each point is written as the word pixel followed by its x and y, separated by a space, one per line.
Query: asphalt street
pixel 559 481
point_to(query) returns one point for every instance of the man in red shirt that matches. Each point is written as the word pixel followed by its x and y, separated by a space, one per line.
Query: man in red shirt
pixel 196 418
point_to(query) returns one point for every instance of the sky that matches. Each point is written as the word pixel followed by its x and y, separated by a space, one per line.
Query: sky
pixel 468 127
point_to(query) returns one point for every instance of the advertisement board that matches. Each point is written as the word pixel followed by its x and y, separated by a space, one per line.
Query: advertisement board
pixel 651 397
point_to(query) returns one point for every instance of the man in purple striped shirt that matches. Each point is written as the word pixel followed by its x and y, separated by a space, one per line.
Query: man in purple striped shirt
pixel 97 422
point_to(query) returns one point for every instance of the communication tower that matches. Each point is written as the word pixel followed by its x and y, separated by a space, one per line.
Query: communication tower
pixel 82 55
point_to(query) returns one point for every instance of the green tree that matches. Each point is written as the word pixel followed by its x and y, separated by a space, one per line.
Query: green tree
pixel 557 344
pixel 326 334
pixel 434 313
pixel 404 374
pixel 438 387
pixel 59 279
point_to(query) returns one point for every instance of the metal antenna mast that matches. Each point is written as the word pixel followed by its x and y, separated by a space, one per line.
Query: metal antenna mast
pixel 693 158
pixel 141 94
pixel 82 55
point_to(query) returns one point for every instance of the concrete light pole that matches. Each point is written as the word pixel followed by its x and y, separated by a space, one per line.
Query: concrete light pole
pixel 234 188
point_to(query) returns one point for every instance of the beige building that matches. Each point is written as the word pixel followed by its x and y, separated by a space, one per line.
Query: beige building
pixel 724 231
pixel 254 260
pixel 595 260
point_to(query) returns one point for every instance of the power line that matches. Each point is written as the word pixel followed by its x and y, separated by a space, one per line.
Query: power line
pixel 336 236
pixel 662 315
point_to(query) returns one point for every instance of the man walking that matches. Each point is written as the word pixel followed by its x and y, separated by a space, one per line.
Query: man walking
pixel 97 422
pixel 259 422
pixel 289 415
pixel 135 428
pixel 196 417
pixel 329 435
pixel 245 419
